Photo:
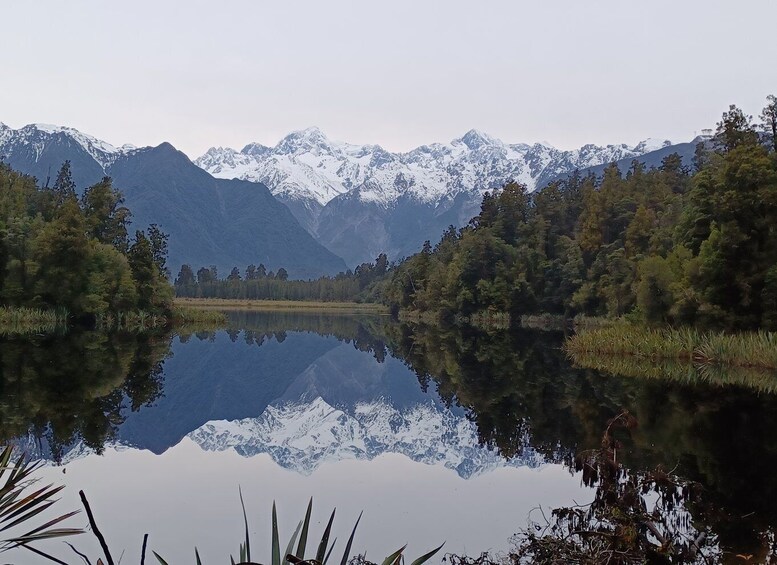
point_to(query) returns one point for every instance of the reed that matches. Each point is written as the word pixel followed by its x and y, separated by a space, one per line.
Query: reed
pixel 751 349
pixel 20 321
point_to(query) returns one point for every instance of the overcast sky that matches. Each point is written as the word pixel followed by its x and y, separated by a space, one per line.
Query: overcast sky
pixel 399 73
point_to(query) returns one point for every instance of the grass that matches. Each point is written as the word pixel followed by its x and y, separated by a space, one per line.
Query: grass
pixel 20 321
pixel 240 304
pixel 753 349
pixel 188 315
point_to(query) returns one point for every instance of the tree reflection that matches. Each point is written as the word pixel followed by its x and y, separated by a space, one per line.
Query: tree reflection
pixel 365 332
pixel 63 389
pixel 519 387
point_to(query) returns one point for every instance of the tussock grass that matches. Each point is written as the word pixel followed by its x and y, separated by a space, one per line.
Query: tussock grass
pixel 188 315
pixel 188 320
pixel 753 349
pixel 20 321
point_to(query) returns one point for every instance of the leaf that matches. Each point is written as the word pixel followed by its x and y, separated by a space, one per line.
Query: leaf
pixel 197 556
pixel 321 553
pixel 303 538
pixel 344 560
pixel 245 519
pixel 328 553
pixel 427 556
pixel 394 556
pixel 158 557
pixel 290 546
pixel 276 543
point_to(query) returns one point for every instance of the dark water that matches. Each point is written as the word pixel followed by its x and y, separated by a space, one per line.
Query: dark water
pixel 436 434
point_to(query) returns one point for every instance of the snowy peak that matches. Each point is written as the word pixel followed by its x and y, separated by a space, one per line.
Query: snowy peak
pixel 308 166
pixel 475 139
pixel 303 435
pixel 38 136
pixel 311 139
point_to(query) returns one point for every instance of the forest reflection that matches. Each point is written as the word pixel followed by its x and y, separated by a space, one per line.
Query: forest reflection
pixel 58 390
pixel 517 387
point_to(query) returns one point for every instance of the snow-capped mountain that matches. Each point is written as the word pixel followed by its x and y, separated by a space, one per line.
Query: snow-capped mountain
pixel 357 201
pixel 36 137
pixel 303 435
pixel 308 165
pixel 361 200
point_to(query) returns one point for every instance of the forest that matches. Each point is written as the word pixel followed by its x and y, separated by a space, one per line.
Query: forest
pixel 675 244
pixel 73 254
pixel 256 283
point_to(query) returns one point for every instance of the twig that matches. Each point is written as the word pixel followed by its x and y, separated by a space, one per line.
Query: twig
pixel 95 529
pixel 81 555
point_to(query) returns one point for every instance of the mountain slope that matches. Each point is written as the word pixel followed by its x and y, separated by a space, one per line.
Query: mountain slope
pixel 361 200
pixel 210 221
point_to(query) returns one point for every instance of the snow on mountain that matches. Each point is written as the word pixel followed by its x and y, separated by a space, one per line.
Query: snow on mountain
pixel 303 435
pixel 308 165
pixel 37 136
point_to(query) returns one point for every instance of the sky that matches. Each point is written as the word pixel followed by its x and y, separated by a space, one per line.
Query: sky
pixel 399 74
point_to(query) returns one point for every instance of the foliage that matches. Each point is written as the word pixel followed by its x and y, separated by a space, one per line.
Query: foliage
pixel 660 245
pixel 21 502
pixel 299 539
pixel 634 517
pixel 59 252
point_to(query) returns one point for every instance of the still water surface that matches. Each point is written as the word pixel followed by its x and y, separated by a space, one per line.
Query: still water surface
pixel 438 435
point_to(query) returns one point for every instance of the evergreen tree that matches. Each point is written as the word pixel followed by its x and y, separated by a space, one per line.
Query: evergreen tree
pixel 769 120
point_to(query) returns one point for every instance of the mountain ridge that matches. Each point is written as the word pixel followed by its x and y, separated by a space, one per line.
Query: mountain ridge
pixel 210 221
pixel 307 164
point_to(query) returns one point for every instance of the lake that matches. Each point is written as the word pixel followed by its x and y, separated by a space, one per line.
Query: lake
pixel 455 435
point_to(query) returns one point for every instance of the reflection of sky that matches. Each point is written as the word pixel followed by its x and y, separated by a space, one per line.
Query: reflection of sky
pixel 189 497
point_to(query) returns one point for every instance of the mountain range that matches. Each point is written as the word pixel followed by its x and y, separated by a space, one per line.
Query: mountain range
pixel 310 204
pixel 361 200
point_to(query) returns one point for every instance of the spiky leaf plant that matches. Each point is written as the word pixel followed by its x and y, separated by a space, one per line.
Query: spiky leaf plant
pixel 323 551
pixel 20 503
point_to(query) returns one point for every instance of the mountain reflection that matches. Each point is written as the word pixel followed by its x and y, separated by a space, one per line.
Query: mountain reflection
pixel 310 388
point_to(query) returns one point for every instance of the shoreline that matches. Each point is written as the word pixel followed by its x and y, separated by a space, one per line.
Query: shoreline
pixel 311 306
